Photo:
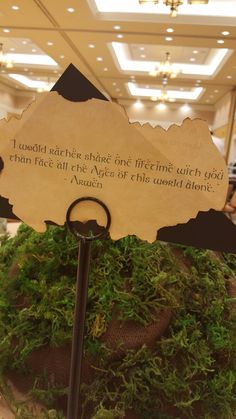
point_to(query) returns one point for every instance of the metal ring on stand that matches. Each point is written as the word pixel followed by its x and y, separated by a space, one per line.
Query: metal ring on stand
pixel 71 225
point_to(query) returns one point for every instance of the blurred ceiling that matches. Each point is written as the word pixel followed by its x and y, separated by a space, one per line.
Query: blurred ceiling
pixel 116 44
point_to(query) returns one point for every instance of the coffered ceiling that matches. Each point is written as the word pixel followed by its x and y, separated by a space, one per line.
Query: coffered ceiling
pixel 117 43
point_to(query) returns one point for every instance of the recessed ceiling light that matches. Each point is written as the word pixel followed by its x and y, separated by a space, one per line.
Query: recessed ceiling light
pixel 62 56
pixel 91 45
pixel 195 51
pixel 6 30
pixel 161 106
pixel 105 69
pixel 116 27
pixel 15 7
pixel 225 33
pixel 220 41
pixel 229 77
pixel 12 49
pixel 70 9
pixel 143 56
pixel 216 91
pixel 138 104
pixel 142 48
pixel 132 77
pixel 25 69
pixel 170 30
pixel 185 108
pixel 24 42
pixel 120 35
pixel 55 71
pixel 99 59
pixel 198 81
pixel 33 50
pixel 182 89
pixel 168 38
pixel 49 43
pixel 114 83
pixel 147 86
pixel 192 59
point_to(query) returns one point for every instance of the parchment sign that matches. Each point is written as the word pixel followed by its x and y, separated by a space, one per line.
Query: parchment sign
pixel 148 177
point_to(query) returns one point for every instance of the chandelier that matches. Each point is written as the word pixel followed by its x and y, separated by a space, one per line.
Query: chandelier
pixel 173 4
pixel 165 70
pixel 162 97
pixel 3 61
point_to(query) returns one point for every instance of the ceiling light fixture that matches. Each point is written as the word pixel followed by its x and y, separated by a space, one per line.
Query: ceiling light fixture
pixel 163 96
pixel 70 10
pixel 173 4
pixel 166 70
pixel 15 7
pixel 4 62
pixel 161 106
pixel 225 33
pixel 138 104
pixel 32 84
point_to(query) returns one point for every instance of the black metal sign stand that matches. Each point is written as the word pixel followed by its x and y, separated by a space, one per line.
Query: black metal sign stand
pixel 81 303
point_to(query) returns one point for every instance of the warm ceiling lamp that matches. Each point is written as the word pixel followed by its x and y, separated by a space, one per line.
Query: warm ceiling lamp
pixel 3 61
pixel 163 96
pixel 174 4
pixel 166 70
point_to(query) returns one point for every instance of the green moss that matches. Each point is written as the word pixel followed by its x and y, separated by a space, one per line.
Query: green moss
pixel 190 371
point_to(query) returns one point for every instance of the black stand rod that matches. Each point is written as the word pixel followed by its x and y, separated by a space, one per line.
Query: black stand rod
pixel 73 403
pixel 78 329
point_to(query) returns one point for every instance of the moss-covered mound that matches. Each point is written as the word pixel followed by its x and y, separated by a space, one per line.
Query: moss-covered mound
pixel 160 330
